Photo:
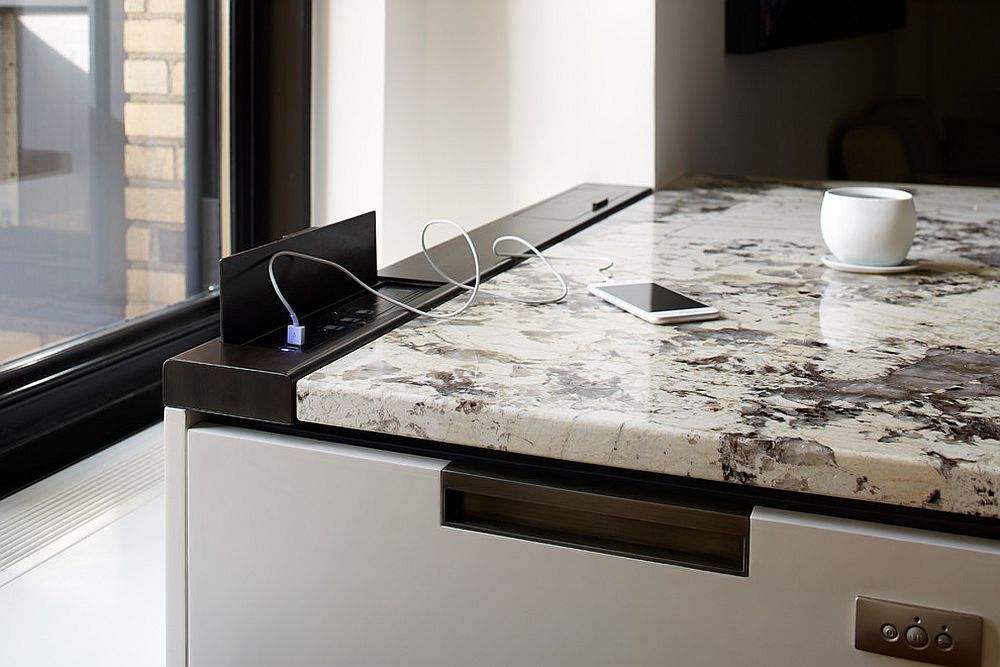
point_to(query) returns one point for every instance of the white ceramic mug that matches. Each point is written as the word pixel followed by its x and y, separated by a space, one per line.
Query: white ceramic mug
pixel 868 226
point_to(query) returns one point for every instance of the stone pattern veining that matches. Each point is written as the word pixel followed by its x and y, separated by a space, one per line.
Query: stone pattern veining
pixel 881 388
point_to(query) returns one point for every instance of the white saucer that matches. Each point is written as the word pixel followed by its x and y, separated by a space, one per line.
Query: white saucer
pixel 834 263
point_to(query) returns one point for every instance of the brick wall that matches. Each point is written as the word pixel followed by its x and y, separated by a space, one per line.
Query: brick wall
pixel 154 153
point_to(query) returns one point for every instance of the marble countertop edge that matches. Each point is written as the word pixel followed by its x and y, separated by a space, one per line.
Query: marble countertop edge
pixel 607 438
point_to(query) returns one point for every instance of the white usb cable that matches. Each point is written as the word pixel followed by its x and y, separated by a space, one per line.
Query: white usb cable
pixel 563 290
pixel 295 332
pixel 606 263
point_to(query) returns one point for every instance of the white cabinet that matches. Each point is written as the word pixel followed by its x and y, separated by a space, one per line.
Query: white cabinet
pixel 308 553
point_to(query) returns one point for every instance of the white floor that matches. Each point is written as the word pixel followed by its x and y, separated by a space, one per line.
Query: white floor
pixel 99 600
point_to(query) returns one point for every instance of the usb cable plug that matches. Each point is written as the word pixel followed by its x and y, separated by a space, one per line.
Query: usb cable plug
pixel 295 335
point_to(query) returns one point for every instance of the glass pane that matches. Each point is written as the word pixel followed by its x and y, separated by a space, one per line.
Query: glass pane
pixel 92 223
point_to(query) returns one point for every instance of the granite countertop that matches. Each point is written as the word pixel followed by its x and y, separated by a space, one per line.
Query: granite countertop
pixel 872 387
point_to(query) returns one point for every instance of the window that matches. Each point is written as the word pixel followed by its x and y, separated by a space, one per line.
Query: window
pixel 109 217
pixel 93 223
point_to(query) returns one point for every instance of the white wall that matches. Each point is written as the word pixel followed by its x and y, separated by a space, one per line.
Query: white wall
pixel 348 89
pixel 447 122
pixel 470 109
pixel 489 105
pixel 767 114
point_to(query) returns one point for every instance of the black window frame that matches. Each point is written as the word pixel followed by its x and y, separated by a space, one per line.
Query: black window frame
pixel 271 79
pixel 63 403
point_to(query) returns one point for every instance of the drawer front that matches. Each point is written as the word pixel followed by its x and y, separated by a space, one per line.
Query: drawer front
pixel 302 552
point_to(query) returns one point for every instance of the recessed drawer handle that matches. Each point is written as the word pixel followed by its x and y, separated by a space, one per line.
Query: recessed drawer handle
pixel 709 537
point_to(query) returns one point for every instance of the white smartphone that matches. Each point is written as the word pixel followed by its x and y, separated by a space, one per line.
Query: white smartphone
pixel 654 303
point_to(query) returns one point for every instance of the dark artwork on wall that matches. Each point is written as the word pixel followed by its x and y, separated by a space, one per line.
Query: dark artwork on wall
pixel 760 25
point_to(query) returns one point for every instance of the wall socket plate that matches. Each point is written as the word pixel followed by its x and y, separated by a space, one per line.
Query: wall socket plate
pixel 923 634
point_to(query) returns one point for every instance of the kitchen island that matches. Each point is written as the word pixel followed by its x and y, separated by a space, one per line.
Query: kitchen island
pixel 569 485
pixel 873 387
